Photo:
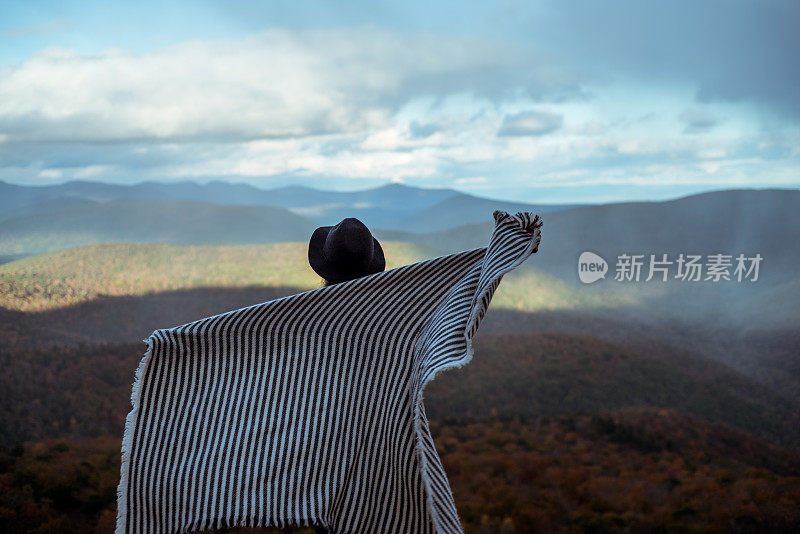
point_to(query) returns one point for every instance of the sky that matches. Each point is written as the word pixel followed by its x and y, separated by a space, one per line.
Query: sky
pixel 535 101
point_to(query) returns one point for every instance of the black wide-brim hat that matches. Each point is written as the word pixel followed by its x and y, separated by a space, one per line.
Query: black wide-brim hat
pixel 345 251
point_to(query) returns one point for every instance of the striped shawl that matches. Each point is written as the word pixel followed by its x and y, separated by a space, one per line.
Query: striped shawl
pixel 307 410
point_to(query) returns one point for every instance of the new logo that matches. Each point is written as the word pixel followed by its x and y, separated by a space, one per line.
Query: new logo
pixel 591 267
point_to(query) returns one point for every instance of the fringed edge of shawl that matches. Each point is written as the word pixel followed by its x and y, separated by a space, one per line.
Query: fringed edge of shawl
pixel 523 219
pixel 127 438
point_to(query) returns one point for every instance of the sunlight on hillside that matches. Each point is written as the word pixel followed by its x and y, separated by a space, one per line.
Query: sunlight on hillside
pixel 533 290
pixel 70 277
pixel 119 269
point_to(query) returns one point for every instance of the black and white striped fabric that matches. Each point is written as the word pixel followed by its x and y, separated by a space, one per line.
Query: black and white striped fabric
pixel 307 410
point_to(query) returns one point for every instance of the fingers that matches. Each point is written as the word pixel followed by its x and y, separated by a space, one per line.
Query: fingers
pixel 535 225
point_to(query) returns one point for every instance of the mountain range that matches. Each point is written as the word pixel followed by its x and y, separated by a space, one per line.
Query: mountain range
pixel 36 220
pixel 390 206
pixel 78 213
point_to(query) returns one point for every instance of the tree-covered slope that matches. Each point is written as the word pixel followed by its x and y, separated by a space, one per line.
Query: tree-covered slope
pixel 79 275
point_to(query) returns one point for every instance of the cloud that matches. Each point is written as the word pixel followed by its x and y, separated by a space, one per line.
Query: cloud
pixel 697 121
pixel 530 123
pixel 422 130
pixel 471 181
pixel 354 107
pixel 50 26
pixel 728 51
pixel 51 174
pixel 276 84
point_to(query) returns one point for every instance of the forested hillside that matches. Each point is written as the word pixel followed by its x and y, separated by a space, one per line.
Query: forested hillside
pixel 125 269
pixel 630 471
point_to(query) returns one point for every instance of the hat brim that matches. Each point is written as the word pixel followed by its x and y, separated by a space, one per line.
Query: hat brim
pixel 317 259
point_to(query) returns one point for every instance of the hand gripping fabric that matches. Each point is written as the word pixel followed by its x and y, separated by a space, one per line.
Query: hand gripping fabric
pixel 307 410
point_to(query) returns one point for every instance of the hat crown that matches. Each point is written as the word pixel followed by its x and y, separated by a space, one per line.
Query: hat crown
pixel 345 251
pixel 349 244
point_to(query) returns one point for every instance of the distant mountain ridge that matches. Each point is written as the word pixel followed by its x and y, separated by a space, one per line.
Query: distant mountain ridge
pixel 186 222
pixel 388 206
pixel 748 221
pixel 464 208
pixel 306 201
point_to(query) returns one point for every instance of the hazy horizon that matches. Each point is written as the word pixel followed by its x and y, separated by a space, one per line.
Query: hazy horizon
pixel 322 187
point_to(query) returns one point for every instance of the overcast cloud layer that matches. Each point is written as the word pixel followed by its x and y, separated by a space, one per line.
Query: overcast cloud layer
pixel 542 102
